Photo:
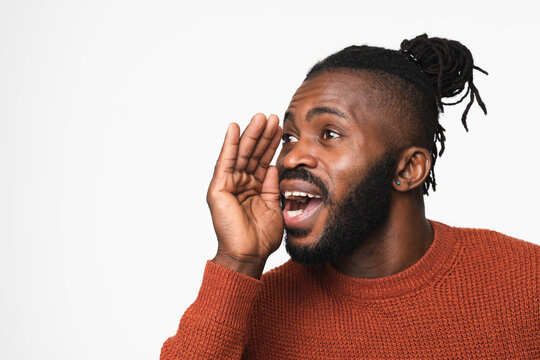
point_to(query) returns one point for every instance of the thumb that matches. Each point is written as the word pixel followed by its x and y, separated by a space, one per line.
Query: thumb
pixel 270 188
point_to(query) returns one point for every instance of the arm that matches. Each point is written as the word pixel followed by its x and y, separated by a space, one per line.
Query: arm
pixel 243 197
pixel 215 325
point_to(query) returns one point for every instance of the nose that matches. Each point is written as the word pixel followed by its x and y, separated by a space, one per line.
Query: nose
pixel 300 154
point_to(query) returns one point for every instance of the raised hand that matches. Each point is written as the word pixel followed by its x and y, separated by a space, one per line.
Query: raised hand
pixel 244 196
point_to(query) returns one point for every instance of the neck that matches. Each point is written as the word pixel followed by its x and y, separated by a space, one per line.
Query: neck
pixel 396 244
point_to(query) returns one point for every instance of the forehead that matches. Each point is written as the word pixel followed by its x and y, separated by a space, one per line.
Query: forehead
pixel 353 95
pixel 351 92
pixel 340 87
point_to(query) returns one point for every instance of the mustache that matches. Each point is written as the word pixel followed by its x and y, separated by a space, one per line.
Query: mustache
pixel 303 174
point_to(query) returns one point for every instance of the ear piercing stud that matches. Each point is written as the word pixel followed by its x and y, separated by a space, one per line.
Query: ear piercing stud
pixel 398 182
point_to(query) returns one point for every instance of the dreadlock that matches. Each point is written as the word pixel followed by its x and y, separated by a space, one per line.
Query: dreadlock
pixel 436 68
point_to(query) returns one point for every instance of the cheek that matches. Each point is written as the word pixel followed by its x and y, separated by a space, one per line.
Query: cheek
pixel 281 156
pixel 279 160
pixel 344 175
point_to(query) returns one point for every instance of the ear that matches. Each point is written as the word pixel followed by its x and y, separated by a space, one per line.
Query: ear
pixel 412 169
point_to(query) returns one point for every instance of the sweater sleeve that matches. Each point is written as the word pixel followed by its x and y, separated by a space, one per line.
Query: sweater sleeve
pixel 215 326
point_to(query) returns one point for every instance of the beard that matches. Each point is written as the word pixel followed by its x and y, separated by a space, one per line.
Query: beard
pixel 351 220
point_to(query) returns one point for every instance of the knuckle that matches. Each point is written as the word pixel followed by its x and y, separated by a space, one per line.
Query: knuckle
pixel 209 197
pixel 210 194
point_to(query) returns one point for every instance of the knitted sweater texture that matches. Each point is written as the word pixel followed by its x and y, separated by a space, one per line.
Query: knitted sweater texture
pixel 473 295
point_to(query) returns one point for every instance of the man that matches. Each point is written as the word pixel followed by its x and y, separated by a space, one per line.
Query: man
pixel 370 276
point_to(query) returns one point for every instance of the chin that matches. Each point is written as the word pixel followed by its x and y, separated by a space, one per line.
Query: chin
pixel 301 237
pixel 304 248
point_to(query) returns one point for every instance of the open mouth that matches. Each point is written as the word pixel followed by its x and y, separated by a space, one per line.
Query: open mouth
pixel 298 202
pixel 301 203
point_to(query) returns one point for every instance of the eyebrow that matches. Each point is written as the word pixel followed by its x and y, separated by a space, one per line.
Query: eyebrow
pixel 316 112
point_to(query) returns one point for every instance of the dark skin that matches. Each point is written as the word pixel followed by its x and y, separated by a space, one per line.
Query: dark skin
pixel 332 130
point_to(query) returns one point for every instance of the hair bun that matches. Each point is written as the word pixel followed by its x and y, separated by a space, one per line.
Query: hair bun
pixel 449 65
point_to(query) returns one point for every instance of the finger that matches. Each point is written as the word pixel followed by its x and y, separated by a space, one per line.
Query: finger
pixel 227 157
pixel 263 143
pixel 249 140
pixel 270 188
pixel 267 157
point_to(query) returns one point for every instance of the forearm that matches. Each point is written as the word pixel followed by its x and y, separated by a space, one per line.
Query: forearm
pixel 215 326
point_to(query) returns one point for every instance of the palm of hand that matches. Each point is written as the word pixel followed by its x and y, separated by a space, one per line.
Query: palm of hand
pixel 244 195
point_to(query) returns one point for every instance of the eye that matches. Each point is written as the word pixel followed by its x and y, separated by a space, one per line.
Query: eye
pixel 330 134
pixel 288 138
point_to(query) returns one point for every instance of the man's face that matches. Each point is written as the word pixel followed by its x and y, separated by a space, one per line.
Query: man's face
pixel 335 170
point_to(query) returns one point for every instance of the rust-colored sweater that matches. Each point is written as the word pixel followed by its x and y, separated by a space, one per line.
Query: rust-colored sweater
pixel 474 294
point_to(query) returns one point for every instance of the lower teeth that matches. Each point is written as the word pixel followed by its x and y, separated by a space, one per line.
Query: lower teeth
pixel 293 213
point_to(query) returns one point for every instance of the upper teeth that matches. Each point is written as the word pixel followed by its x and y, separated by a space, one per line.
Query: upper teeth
pixel 289 194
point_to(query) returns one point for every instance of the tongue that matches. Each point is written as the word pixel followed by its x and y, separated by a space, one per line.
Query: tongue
pixel 297 205
pixel 312 204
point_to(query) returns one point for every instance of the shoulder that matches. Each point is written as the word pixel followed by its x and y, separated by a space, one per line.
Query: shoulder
pixel 494 259
pixel 503 248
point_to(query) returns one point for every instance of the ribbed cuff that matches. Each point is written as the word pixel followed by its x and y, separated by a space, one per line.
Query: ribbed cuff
pixel 225 295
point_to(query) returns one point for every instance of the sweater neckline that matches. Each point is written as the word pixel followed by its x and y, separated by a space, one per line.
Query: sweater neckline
pixel 434 263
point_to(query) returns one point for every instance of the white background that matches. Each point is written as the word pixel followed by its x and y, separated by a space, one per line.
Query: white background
pixel 112 114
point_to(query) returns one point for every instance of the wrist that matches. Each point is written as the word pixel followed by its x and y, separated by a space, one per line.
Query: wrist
pixel 250 267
